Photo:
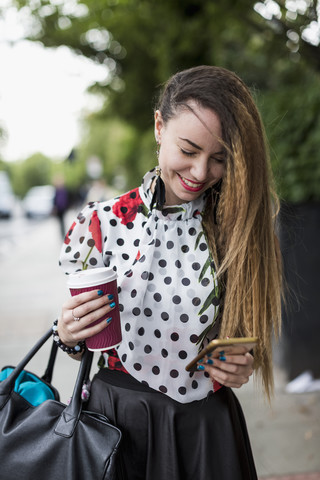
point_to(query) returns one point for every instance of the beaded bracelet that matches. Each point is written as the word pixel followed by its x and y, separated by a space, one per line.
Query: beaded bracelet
pixel 70 350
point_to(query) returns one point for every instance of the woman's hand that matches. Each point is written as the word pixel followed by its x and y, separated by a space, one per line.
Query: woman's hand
pixel 78 314
pixel 230 370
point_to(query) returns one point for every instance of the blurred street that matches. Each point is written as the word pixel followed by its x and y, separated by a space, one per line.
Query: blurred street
pixel 285 438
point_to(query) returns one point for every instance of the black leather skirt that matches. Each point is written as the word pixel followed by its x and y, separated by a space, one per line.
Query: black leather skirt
pixel 167 440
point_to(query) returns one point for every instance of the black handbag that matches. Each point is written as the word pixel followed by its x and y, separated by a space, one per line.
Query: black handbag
pixel 51 440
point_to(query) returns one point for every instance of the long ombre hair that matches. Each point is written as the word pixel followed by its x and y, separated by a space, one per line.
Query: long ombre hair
pixel 239 220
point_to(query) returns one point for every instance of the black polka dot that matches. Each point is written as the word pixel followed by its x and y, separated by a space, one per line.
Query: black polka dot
pixel 136 311
pixel 157 333
pixel 147 349
pixel 125 256
pixel 193 338
pixel 124 357
pixel 170 245
pixel 68 249
pixel 194 384
pixel 162 263
pixel 185 281
pixel 157 297
pixel 147 312
pixel 120 242
pixel 205 282
pixel 136 242
pixel 182 390
pixel 141 331
pixel 137 366
pixel 164 353
pixel 176 299
pixel 76 255
pixel 131 346
pixel 142 259
pixel 185 249
pixel 204 318
pixel 144 275
pixel 158 243
pixel 178 264
pixel 179 231
pixel 113 222
pixel 192 231
pixel 203 247
pixel 163 389
pixel 121 307
pixel 93 261
pixel 130 225
pixel 127 327
pixel 155 370
pixel 167 280
pixel 196 266
pixel 107 208
pixel 184 318
pixel 165 316
pixel 182 354
pixel 196 301
pixel 91 243
pixel 133 293
pixel 174 336
pixel 174 373
pixel 133 194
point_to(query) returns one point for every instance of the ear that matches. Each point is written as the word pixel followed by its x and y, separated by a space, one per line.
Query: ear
pixel 158 125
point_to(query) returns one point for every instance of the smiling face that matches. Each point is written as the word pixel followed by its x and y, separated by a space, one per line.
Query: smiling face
pixel 191 157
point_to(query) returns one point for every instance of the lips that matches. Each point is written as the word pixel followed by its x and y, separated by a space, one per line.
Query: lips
pixel 191 185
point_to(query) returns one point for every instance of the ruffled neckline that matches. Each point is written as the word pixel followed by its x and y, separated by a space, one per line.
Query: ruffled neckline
pixel 180 212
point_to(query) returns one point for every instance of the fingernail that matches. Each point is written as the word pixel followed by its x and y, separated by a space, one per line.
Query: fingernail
pixel 109 320
pixel 221 352
pixel 110 296
pixel 200 367
pixel 112 305
pixel 100 292
pixel 210 362
pixel 222 358
pixel 209 354
pixel 201 360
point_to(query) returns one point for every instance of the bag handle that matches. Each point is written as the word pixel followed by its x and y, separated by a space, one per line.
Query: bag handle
pixel 70 415
pixel 47 376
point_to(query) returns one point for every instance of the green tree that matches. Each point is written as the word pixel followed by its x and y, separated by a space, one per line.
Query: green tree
pixel 35 170
pixel 143 42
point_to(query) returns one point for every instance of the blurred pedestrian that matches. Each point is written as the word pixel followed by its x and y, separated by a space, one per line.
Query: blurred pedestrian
pixel 197 258
pixel 60 203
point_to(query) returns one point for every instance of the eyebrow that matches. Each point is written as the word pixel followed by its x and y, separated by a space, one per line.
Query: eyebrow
pixel 197 146
pixel 191 143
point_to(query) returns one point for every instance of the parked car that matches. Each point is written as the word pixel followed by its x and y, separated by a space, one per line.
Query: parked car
pixel 38 202
pixel 7 198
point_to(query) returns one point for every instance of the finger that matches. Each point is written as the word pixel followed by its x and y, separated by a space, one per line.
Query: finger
pixel 81 298
pixel 82 311
pixel 226 378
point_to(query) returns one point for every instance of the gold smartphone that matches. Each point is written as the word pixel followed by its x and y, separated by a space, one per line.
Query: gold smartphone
pixel 229 346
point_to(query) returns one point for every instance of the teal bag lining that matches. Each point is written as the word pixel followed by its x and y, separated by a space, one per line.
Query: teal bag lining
pixel 30 387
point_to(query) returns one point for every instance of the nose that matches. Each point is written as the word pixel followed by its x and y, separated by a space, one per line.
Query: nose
pixel 200 169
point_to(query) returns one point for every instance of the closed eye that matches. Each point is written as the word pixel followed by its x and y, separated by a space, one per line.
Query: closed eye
pixel 188 154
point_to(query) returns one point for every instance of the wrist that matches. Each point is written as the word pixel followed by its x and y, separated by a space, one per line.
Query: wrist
pixel 74 349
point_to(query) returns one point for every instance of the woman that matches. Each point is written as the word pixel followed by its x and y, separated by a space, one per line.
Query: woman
pixel 197 258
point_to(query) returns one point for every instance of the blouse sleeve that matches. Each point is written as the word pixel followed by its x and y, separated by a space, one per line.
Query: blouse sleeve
pixel 82 247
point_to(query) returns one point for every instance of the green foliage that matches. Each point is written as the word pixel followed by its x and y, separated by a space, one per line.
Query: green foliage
pixel 293 130
pixel 143 42
pixel 35 170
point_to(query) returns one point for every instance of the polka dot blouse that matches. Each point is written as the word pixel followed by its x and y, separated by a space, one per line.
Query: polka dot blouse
pixel 168 293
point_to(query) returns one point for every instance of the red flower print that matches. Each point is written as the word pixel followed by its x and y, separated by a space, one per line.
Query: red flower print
pixel 126 207
pixel 94 228
pixel 67 237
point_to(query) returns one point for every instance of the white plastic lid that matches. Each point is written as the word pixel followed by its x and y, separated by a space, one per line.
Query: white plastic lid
pixel 91 277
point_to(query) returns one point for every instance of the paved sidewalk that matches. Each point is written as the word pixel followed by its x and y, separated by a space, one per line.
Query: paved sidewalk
pixel 285 437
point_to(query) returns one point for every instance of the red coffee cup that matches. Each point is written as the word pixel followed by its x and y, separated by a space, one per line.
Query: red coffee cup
pixel 104 279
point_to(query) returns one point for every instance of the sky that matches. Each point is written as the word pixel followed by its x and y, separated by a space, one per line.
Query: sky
pixel 42 95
